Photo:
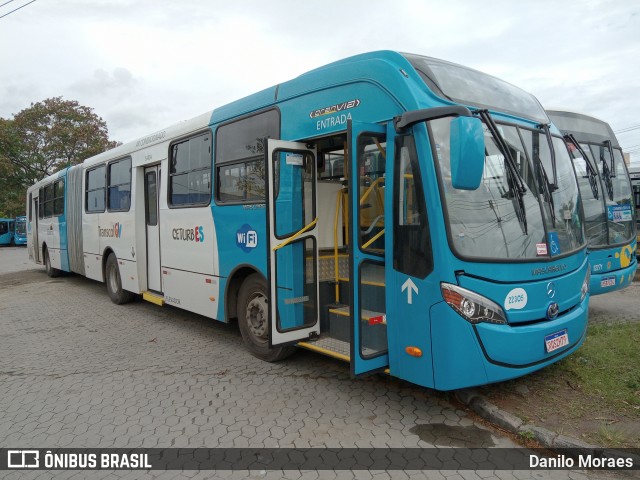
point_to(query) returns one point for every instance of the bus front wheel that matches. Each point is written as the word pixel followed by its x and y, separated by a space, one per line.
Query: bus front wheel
pixel 253 320
pixel 52 272
pixel 114 283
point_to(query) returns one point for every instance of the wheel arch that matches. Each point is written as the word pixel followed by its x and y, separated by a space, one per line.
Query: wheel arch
pixel 232 289
pixel 105 256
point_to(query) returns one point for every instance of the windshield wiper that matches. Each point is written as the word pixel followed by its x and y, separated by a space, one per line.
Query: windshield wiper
pixel 516 183
pixel 591 171
pixel 606 172
pixel 544 184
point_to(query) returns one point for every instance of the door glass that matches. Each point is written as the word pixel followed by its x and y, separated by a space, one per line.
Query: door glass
pixel 151 198
pixel 371 156
pixel 296 284
pixel 293 177
pixel 373 319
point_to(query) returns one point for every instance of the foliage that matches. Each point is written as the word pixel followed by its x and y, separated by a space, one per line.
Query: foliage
pixel 42 139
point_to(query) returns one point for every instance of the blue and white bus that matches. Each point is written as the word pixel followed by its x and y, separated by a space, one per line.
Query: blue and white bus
pixel 7 226
pixel 272 210
pixel 607 199
pixel 20 233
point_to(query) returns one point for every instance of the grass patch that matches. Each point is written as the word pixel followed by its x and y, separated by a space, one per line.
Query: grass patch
pixel 607 364
pixel 594 394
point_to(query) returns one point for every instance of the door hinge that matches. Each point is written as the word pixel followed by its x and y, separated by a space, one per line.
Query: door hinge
pixel 313 336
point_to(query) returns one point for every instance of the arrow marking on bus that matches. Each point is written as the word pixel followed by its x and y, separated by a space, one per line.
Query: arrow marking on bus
pixel 410 287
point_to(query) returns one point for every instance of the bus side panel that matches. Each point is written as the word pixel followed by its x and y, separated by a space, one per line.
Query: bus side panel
pixel 188 251
pixel 62 228
pixel 91 243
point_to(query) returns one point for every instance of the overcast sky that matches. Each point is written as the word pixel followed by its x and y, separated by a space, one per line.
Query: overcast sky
pixel 144 65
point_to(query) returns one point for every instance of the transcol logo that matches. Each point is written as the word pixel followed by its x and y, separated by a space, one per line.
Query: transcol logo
pixel 111 232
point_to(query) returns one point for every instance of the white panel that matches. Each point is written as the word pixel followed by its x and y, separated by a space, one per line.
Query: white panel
pixel 93 266
pixel 327 201
pixel 191 291
pixel 188 239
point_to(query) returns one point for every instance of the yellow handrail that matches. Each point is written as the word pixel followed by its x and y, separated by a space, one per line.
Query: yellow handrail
pixel 336 264
pixel 296 235
pixel 375 237
pixel 370 189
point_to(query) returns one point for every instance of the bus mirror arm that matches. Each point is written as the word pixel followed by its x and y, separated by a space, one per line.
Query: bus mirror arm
pixel 407 119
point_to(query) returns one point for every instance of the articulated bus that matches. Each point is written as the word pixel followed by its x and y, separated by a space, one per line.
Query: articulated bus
pixel 20 233
pixel 6 231
pixel 401 213
pixel 607 199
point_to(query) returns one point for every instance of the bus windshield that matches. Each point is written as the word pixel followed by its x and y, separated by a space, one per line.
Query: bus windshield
pixel 614 223
pixel 485 223
pixel 21 227
pixel 471 87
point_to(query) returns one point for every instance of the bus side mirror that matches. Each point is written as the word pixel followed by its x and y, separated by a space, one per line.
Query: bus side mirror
pixel 467 152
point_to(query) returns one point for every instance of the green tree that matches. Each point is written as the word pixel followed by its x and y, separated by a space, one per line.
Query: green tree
pixel 42 139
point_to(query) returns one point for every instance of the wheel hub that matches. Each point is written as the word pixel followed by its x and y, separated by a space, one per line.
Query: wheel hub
pixel 257 316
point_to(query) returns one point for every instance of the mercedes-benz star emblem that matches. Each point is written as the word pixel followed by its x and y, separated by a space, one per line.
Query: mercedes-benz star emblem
pixel 551 290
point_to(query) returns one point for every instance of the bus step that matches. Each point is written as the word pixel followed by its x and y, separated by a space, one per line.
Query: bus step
pixel 329 346
pixel 152 297
pixel 369 316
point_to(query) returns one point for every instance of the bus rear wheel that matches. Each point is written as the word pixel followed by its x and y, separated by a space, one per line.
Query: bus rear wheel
pixel 253 320
pixel 52 272
pixel 114 284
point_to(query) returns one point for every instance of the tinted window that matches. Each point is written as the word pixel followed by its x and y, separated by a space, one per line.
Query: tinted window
pixel 240 157
pixel 411 239
pixel 4 228
pixel 119 188
pixel 190 171
pixel 58 197
pixel 95 190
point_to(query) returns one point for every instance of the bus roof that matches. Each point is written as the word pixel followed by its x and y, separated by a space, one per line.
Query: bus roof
pixel 585 128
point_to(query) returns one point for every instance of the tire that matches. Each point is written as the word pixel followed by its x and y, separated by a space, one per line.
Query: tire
pixel 253 320
pixel 52 272
pixel 114 284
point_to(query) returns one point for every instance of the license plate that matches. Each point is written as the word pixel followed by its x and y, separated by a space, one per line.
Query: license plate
pixel 556 340
pixel 608 282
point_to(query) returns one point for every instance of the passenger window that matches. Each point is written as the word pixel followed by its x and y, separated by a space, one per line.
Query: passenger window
pixel 58 197
pixel 411 239
pixel 94 190
pixel 119 186
pixel 190 172
pixel 240 173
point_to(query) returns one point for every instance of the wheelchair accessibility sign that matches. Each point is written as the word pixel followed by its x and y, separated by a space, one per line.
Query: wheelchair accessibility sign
pixel 554 244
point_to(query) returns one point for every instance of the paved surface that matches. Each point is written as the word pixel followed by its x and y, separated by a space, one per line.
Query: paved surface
pixel 79 371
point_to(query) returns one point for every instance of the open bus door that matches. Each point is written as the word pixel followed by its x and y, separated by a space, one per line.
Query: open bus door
pixel 293 242
pixel 367 154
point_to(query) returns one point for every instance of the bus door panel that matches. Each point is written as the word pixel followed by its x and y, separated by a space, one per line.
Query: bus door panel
pixel 367 154
pixel 151 197
pixel 35 244
pixel 293 242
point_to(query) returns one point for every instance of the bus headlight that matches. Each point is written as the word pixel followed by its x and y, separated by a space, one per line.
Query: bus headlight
pixel 472 307
pixel 585 284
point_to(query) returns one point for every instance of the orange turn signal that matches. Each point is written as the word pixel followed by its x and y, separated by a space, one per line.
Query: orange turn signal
pixel 413 351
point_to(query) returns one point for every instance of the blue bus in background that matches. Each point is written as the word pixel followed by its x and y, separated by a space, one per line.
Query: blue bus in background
pixel 7 226
pixel 396 211
pixel 607 197
pixel 20 233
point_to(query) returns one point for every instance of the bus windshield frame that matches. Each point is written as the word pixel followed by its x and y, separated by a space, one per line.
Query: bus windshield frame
pixel 483 225
pixel 470 87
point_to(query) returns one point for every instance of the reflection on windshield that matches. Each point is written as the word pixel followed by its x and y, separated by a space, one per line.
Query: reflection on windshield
pixel 610 219
pixel 483 222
